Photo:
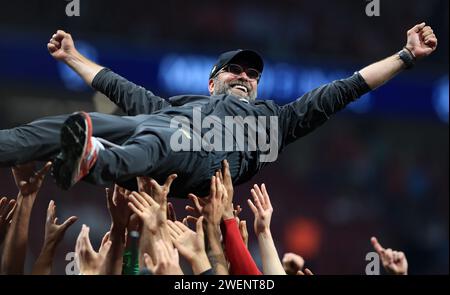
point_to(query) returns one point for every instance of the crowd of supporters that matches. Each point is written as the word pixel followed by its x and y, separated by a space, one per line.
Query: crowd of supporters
pixel 146 237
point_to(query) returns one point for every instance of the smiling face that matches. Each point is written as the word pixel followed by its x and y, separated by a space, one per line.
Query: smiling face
pixel 232 84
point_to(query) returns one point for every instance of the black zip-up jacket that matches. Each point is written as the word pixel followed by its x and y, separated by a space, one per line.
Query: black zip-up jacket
pixel 295 119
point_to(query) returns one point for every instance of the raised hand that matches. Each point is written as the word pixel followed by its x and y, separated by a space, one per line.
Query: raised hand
pixel 29 183
pixel 237 211
pixel 61 45
pixel 421 40
pixel 27 180
pixel 6 213
pixel 171 215
pixel 117 203
pixel 166 260
pixel 292 263
pixel 158 192
pixel 199 204
pixel 225 177
pixel 262 208
pixel 190 244
pixel 212 207
pixel 394 262
pixel 54 232
pixel 244 232
pixel 89 261
pixel 148 210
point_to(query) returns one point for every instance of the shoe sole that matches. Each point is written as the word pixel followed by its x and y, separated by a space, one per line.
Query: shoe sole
pixel 75 133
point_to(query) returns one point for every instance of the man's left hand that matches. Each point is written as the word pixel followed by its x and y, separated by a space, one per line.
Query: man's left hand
pixel 421 40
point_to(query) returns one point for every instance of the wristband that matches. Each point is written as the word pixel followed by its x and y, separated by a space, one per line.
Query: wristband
pixel 407 57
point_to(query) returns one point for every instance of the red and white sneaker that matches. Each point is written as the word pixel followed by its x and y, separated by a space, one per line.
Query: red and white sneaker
pixel 78 153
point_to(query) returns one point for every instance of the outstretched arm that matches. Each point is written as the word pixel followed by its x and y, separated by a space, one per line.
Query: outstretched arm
pixel 421 42
pixel 131 98
pixel 302 116
pixel 62 48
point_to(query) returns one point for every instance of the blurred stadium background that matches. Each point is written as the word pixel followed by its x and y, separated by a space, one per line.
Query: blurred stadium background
pixel 378 168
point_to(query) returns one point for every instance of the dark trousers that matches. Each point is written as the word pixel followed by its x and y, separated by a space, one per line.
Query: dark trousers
pixel 144 150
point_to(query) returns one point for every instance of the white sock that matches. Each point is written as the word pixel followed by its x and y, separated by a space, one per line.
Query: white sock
pixel 107 143
pixel 97 145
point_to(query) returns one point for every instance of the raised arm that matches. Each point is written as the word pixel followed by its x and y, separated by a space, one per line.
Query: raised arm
pixel 262 209
pixel 421 42
pixel 54 233
pixel 394 262
pixel 6 213
pixel 315 107
pixel 212 208
pixel 117 204
pixel 129 97
pixel 29 183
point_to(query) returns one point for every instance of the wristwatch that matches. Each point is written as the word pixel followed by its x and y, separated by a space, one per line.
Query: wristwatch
pixel 407 57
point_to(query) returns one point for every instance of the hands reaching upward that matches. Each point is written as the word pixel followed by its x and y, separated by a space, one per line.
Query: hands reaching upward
pixel 166 260
pixel 394 262
pixel 262 208
pixel 89 261
pixel 191 244
pixel 27 180
pixel 6 213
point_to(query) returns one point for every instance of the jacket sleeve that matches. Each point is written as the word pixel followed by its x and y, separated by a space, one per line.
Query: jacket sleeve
pixel 241 261
pixel 314 108
pixel 129 97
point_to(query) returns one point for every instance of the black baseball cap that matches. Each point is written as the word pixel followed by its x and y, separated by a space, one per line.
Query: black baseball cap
pixel 252 57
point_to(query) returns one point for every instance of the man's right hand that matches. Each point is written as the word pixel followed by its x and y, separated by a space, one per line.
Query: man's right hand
pixel 61 46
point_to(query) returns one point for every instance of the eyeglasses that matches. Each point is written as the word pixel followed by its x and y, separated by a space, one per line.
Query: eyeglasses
pixel 237 70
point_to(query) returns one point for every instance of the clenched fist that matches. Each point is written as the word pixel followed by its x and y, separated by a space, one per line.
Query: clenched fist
pixel 421 40
pixel 61 45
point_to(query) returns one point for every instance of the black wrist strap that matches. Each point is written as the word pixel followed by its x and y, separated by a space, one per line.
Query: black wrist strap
pixel 407 57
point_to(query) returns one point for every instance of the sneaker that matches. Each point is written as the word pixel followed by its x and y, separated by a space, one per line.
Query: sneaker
pixel 78 154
